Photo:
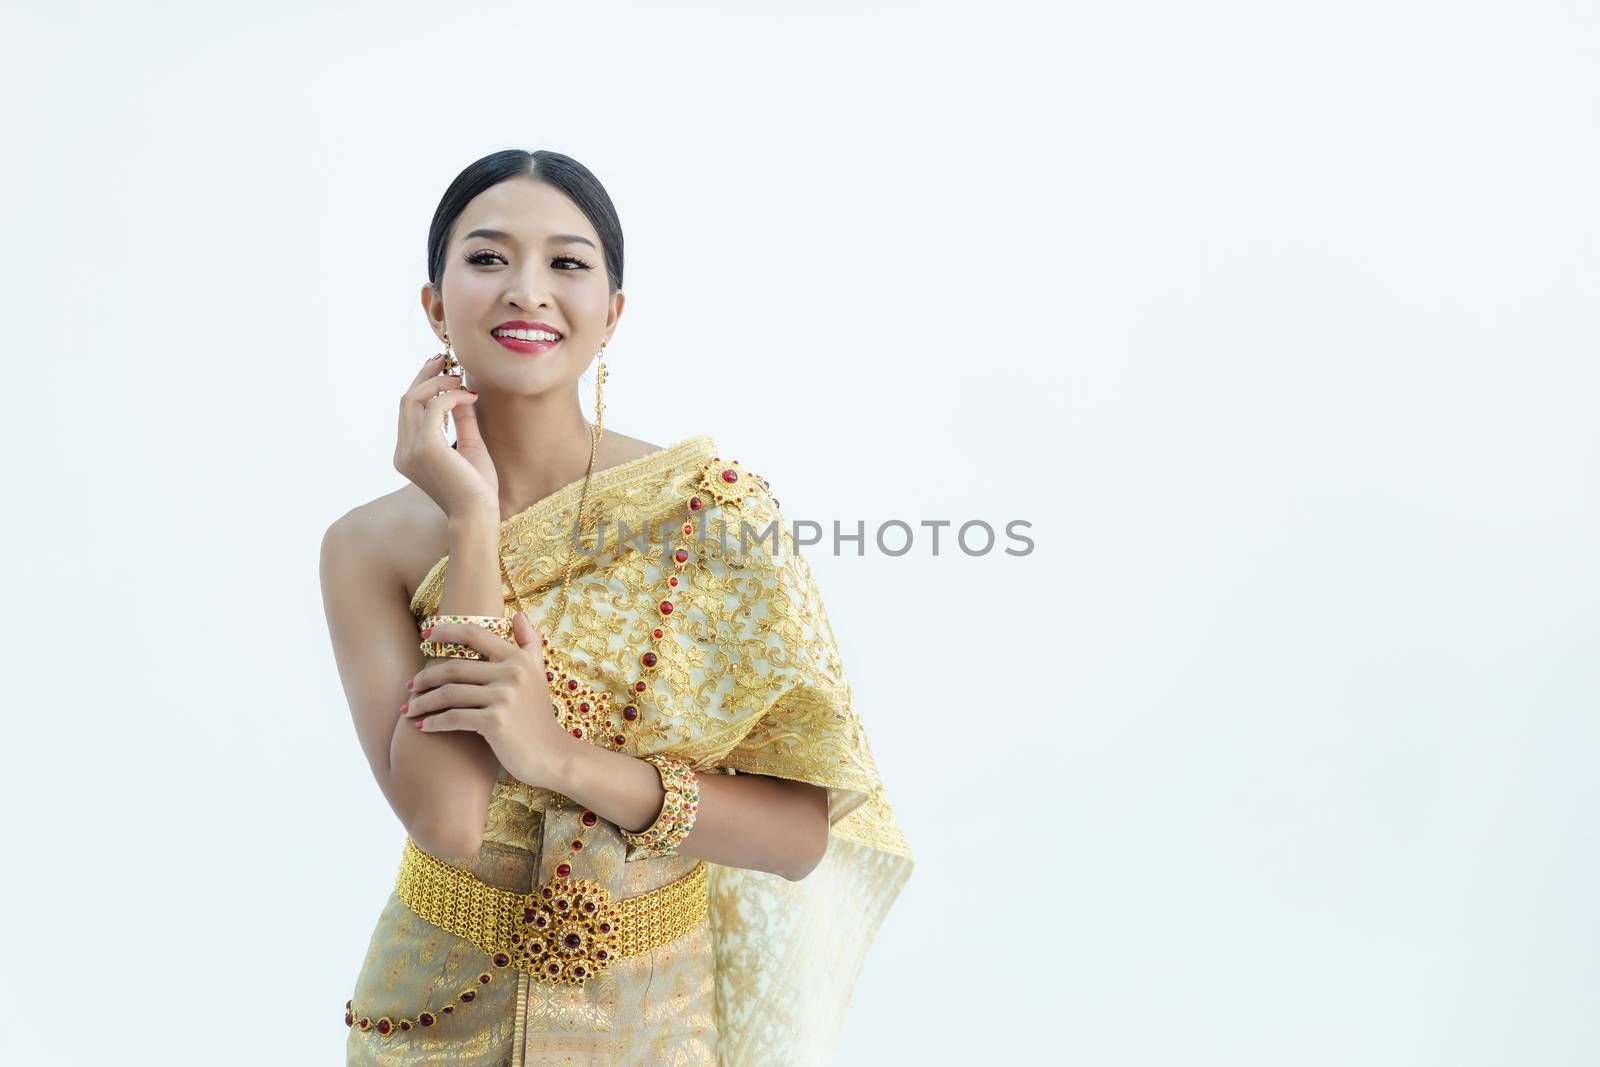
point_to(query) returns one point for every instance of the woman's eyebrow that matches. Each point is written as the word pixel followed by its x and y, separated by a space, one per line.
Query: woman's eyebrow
pixel 555 238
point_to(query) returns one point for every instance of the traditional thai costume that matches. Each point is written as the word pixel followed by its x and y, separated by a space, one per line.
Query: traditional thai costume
pixel 693 628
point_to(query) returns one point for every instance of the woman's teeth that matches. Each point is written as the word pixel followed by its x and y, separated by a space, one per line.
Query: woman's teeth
pixel 526 335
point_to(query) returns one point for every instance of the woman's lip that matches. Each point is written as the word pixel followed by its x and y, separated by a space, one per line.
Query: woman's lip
pixel 528 348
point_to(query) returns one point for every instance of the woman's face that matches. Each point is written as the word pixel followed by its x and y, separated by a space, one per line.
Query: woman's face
pixel 542 264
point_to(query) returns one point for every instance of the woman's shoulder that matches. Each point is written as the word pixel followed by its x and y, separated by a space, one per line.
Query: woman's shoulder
pixel 616 449
pixel 402 534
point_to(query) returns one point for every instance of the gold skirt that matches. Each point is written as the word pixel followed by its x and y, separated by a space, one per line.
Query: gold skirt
pixel 653 1008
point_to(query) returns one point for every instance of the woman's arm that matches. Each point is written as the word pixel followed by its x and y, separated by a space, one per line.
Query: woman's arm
pixel 745 820
pixel 439 787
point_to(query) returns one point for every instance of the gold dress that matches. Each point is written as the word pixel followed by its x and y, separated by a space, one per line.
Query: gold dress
pixel 733 667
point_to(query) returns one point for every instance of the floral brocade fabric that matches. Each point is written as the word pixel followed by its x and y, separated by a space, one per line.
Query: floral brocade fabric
pixel 744 676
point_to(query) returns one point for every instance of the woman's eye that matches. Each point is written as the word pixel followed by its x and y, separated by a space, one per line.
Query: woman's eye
pixel 479 259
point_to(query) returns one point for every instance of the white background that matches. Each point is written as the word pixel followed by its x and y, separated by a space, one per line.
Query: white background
pixel 1276 321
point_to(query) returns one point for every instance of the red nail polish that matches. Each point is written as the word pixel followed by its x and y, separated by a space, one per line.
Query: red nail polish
pixel 418 722
pixel 404 706
pixel 409 681
pixel 428 631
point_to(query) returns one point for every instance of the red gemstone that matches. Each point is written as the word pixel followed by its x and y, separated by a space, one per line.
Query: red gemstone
pixel 426 1018
pixel 483 979
pixel 578 971
pixel 648 659
pixel 448 1009
pixel 605 928
pixel 364 1023
pixel 563 869
pixel 573 940
pixel 657 631
pixel 680 555
pixel 638 687
pixel 467 995
pixel 630 713
pixel 729 476
pixel 384 1026
pixel 572 683
pixel 501 959
pixel 577 732
pixel 349 1020
pixel 405 1024
pixel 583 706
pixel 529 913
pixel 666 607
pixel 696 503
pixel 687 528
pixel 590 818
pixel 589 906
pixel 577 844
pixel 549 676
pixel 548 893
pixel 619 740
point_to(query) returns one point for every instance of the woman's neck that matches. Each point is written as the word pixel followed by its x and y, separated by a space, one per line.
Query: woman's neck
pixel 538 444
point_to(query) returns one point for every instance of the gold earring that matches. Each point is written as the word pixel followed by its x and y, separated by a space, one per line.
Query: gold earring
pixel 599 392
pixel 451 366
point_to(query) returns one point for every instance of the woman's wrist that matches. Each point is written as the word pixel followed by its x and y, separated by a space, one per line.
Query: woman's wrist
pixel 469 525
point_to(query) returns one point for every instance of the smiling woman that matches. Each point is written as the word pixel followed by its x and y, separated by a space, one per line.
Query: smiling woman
pixel 642 821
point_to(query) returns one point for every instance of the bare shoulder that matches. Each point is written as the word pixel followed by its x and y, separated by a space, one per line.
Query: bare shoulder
pixel 400 534
pixel 618 448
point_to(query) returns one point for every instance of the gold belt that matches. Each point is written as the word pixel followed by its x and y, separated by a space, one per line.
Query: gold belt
pixel 565 931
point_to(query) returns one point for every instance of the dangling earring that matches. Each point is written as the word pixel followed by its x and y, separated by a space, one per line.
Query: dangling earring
pixel 451 366
pixel 599 392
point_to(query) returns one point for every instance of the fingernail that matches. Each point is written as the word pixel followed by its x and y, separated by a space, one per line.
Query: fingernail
pixel 404 706
pixel 474 392
pixel 428 631
pixel 409 682
pixel 418 722
pixel 436 355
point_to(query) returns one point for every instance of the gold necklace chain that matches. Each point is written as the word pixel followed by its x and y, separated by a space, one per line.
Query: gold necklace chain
pixel 583 494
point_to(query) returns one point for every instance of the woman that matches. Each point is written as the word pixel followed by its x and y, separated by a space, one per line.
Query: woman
pixel 643 822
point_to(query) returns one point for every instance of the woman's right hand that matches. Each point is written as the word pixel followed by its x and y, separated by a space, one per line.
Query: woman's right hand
pixel 461 480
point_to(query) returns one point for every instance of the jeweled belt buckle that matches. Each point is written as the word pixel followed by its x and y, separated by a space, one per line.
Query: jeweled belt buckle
pixel 570 931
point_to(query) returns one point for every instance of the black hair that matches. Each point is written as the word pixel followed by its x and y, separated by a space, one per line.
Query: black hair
pixel 565 173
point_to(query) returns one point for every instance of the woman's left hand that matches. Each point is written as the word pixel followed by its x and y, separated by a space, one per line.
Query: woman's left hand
pixel 504 697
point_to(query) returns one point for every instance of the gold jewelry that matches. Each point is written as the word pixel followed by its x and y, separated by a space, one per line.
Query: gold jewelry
pixel 678 807
pixel 594 446
pixel 583 711
pixel 497 625
pixel 563 934
pixel 451 365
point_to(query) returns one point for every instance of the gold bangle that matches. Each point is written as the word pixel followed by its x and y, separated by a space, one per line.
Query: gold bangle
pixel 678 807
pixel 495 624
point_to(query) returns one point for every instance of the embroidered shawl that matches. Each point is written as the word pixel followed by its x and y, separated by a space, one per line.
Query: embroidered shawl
pixel 747 680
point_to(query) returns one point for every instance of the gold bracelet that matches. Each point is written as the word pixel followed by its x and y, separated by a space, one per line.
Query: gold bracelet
pixel 678 807
pixel 497 625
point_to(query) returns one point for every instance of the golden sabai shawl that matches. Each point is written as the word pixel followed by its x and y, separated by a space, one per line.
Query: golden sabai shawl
pixel 748 681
